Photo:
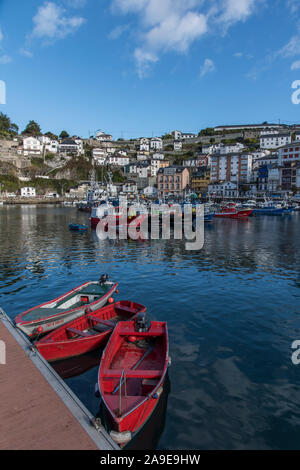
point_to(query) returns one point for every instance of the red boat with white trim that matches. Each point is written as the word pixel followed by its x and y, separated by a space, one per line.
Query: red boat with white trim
pixel 131 375
pixel 86 333
pixel 50 315
pixel 115 216
pixel 230 211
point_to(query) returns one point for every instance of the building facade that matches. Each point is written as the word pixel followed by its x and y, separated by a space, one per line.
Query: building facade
pixel 274 141
pixel 172 180
pixel 234 167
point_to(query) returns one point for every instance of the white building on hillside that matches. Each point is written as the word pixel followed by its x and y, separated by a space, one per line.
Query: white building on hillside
pixel 177 145
pixel 99 156
pixel 144 145
pixel 50 145
pixel 188 135
pixel 177 135
pixel 158 156
pixel 274 141
pixel 28 192
pixel 156 143
pixel 141 156
pixel 103 137
pixel 32 146
pixel 117 160
pixel 79 143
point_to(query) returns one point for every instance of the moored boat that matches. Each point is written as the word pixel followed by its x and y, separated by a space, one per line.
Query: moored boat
pixel 208 217
pixel 86 333
pixel 77 227
pixel 54 313
pixel 131 375
pixel 230 211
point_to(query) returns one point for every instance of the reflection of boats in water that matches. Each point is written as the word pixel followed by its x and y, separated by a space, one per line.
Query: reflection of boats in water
pixel 148 437
pixel 75 366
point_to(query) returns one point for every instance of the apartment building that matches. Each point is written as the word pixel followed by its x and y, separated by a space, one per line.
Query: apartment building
pixel 289 153
pixel 274 141
pixel 172 180
pixel 232 167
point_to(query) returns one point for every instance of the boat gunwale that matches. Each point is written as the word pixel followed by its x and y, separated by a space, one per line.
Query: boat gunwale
pixel 18 320
pixel 82 339
pixel 150 395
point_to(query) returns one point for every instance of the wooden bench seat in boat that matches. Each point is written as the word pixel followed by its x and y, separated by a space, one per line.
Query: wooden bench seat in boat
pixel 132 374
pixel 125 331
pixel 123 308
pixel 111 324
pixel 78 332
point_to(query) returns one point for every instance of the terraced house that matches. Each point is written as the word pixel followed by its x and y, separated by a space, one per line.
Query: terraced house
pixel 172 180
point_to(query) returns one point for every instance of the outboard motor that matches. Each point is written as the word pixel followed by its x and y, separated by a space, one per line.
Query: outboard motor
pixel 103 279
pixel 142 323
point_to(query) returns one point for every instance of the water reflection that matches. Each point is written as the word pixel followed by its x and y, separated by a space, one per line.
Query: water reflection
pixel 232 311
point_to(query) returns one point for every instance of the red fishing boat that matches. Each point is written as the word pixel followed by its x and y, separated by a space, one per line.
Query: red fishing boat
pixel 115 216
pixel 54 313
pixel 132 373
pixel 86 333
pixel 230 211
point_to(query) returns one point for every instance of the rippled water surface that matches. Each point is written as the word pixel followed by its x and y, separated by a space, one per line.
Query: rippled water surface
pixel 232 309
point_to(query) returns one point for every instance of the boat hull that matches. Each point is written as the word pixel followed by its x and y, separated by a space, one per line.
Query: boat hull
pixel 208 217
pixel 130 405
pixel 77 227
pixel 238 214
pixel 39 319
pixel 57 345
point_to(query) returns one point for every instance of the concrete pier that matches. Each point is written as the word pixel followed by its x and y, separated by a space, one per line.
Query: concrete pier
pixel 37 409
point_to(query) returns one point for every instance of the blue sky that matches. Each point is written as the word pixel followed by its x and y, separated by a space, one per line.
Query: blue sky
pixel 143 67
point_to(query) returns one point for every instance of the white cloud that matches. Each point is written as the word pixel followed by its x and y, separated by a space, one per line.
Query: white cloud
pixel 1 34
pixel 5 59
pixel 207 67
pixel 143 61
pixel 295 65
pixel 293 5
pixel 118 31
pixel 25 52
pixel 51 23
pixel 235 10
pixel 238 54
pixel 292 48
pixel 75 3
pixel 174 25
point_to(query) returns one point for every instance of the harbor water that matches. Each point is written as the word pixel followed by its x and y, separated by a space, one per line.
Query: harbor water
pixel 233 312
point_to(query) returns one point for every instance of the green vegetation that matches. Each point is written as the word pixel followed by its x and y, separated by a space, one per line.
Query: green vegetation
pixel 167 137
pixel 37 162
pixel 64 135
pixel 49 156
pixel 207 132
pixel 44 186
pixel 7 128
pixel 9 183
pixel 32 129
pixel 51 136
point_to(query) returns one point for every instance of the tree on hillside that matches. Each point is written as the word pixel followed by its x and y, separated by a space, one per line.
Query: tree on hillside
pixel 32 129
pixel 51 135
pixel 7 128
pixel 207 132
pixel 64 135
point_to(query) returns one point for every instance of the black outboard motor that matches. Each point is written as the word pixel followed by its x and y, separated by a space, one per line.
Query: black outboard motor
pixel 103 279
pixel 142 323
